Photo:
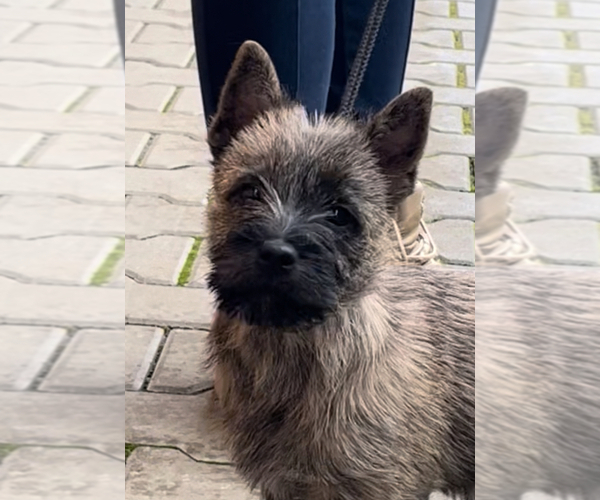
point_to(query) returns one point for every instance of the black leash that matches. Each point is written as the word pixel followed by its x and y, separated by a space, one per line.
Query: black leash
pixel 363 54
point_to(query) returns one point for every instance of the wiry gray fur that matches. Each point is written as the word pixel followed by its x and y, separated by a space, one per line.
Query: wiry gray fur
pixel 369 395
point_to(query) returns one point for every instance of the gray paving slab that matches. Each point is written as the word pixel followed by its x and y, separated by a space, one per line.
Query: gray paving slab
pixel 33 473
pixel 455 241
pixel 91 363
pixel 141 348
pixel 35 418
pixel 184 422
pixel 166 474
pixel 442 204
pixel 181 367
pixel 449 171
pixel 183 185
pixel 30 348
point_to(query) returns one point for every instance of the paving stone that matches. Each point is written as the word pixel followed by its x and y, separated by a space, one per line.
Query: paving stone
pixel 168 474
pixel 40 97
pixel 468 38
pixel 157 260
pixel 60 305
pixel 586 10
pixel 436 38
pixel 507 53
pixel 423 22
pixel 80 151
pixel 60 260
pixel 531 143
pixel 552 119
pixel 39 58
pixel 31 217
pixel 57 123
pixel 589 40
pixel 33 473
pixel 161 17
pixel 531 8
pixel 174 306
pixel 447 119
pixel 140 73
pixel 135 143
pixel 189 101
pixel 167 123
pixel 551 171
pixel 143 4
pixel 61 14
pixel 109 100
pixel 455 241
pixel 534 204
pixel 504 20
pixel 166 54
pixel 550 39
pixel 181 185
pixel 441 204
pixel 466 10
pixel 449 171
pixel 133 29
pixel 30 349
pixel 470 70
pixel 592 76
pixel 565 241
pixel 201 267
pixel 432 73
pixel 175 5
pixel 49 33
pixel 426 54
pixel 158 33
pixel 150 216
pixel 152 97
pixel 11 30
pixel 141 347
pixel 181 369
pixel 581 97
pixel 97 184
pixel 91 363
pixel 169 151
pixel 37 418
pixel 118 278
pixel 174 420
pixel 450 144
pixel 85 6
pixel 434 8
pixel 551 74
pixel 445 95
pixel 16 145
pixel 34 4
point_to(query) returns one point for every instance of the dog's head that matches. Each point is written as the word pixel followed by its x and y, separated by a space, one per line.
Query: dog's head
pixel 301 205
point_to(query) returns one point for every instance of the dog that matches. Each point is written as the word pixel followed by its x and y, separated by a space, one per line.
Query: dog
pixel 339 375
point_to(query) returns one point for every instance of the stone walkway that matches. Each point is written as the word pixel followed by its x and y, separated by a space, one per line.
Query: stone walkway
pixel 551 49
pixel 61 247
pixel 171 453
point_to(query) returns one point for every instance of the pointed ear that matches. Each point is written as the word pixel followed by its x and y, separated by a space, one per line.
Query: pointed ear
pixel 498 117
pixel 398 135
pixel 251 88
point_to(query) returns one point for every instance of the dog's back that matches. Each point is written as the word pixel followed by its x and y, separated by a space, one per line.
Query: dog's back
pixel 538 382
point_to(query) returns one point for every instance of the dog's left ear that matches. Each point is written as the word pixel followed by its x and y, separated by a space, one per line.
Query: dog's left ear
pixel 251 88
pixel 398 135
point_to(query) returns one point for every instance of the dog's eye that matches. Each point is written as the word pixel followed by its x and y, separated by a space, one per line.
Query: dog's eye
pixel 248 192
pixel 340 216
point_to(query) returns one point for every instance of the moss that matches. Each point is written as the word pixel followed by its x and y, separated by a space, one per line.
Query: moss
pixel 458 40
pixel 576 76
pixel 472 174
pixel 587 124
pixel 453 11
pixel 107 268
pixel 563 9
pixel 595 173
pixel 467 122
pixel 6 449
pixel 129 448
pixel 461 76
pixel 570 40
pixel 186 270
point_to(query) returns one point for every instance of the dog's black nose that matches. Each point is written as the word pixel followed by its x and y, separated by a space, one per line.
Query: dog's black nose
pixel 278 253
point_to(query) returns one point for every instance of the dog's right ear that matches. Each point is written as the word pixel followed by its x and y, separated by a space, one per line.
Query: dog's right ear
pixel 251 88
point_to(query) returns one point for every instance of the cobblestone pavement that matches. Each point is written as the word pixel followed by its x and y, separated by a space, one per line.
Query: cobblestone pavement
pixel 171 453
pixel 551 49
pixel 61 246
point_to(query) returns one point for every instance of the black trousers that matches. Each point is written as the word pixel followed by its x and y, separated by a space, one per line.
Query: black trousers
pixel 312 44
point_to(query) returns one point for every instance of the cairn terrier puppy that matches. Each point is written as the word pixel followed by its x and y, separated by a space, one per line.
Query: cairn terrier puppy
pixel 339 376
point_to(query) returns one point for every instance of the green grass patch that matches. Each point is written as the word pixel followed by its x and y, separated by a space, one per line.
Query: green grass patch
pixel 576 76
pixel 453 10
pixel 6 449
pixel 186 270
pixel 587 123
pixel 171 102
pixel 129 447
pixel 461 76
pixel 467 121
pixel 595 172
pixel 458 40
pixel 472 174
pixel 570 39
pixel 563 9
pixel 107 268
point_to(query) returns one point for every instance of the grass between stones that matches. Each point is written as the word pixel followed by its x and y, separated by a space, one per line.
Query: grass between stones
pixel 107 268
pixel 186 270
pixel 595 173
pixel 461 76
pixel 467 122
pixel 6 449
pixel 458 40
pixel 472 174
pixel 129 447
pixel 587 123
pixel 576 76
pixel 453 10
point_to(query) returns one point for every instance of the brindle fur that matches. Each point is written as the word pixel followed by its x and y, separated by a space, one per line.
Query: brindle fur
pixel 365 389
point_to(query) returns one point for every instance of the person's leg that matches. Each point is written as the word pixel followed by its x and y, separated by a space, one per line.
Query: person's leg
pixel 297 34
pixel 484 21
pixel 385 72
